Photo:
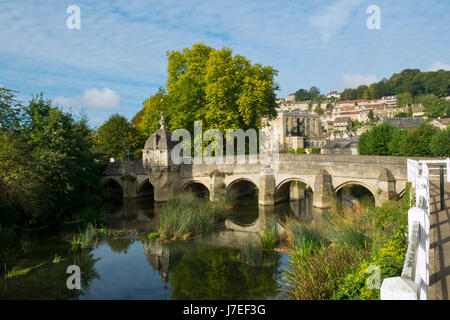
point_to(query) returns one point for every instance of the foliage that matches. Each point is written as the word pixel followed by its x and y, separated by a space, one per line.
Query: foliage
pixel 386 139
pixel 412 141
pixel 389 259
pixel 186 216
pixel 47 168
pixel 440 143
pixel 434 106
pixel 316 276
pixel 304 237
pixel 152 236
pixel 269 238
pixel 315 150
pixel 116 136
pixel 407 84
pixel 221 90
pixel 300 151
pixel 303 95
pixel 376 140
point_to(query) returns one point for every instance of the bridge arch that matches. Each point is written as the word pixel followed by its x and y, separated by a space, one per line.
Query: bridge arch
pixel 284 189
pixel 242 187
pixel 356 190
pixel 114 187
pixel 197 187
pixel 145 189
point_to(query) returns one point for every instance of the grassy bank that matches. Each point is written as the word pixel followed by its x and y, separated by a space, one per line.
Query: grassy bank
pixel 186 216
pixel 336 253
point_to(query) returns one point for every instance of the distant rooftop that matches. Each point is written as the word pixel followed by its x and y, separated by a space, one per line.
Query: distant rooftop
pixel 403 122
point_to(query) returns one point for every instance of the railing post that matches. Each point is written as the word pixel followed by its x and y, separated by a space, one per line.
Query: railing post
pixel 441 180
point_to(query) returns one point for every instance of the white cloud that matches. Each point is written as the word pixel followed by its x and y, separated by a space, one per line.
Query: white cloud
pixel 104 99
pixel 67 102
pixel 437 65
pixel 354 80
pixel 92 98
pixel 335 17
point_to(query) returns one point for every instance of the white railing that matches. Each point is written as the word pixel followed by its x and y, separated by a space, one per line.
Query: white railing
pixel 413 282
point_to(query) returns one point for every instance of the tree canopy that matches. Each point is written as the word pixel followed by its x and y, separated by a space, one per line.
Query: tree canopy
pixel 116 137
pixel 47 168
pixel 422 140
pixel 221 90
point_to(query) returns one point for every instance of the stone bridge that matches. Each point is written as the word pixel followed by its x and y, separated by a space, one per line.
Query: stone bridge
pixel 385 177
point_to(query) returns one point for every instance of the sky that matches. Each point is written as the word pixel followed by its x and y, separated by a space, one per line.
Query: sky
pixel 117 57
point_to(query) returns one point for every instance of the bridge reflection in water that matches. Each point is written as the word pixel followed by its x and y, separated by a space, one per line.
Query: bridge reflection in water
pixel 240 230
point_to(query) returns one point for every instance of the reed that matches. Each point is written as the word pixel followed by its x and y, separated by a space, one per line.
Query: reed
pixel 269 238
pixel 186 216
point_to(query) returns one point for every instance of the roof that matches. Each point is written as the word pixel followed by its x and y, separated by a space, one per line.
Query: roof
pixel 161 140
pixel 343 119
pixel 342 143
pixel 403 122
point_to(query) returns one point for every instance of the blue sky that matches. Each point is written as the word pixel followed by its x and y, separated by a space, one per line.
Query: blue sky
pixel 118 57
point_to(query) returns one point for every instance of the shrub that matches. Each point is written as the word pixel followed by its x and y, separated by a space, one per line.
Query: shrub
pixel 389 259
pixel 315 150
pixel 292 151
pixel 300 150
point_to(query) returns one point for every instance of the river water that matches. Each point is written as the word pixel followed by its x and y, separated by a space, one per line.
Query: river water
pixel 224 264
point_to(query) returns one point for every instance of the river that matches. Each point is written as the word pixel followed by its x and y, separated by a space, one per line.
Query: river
pixel 224 264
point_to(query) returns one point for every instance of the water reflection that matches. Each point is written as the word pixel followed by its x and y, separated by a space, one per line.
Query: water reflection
pixel 225 264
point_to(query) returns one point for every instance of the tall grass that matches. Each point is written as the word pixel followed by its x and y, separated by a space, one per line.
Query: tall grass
pixel 304 237
pixel 325 250
pixel 316 276
pixel 86 238
pixel 269 238
pixel 186 216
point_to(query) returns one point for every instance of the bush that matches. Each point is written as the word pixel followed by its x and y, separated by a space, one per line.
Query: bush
pixel 300 150
pixel 389 259
pixel 315 150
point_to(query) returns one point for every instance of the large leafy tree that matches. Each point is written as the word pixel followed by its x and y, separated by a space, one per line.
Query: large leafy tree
pixel 116 137
pixel 440 143
pixel 221 90
pixel 434 106
pixel 302 95
pixel 412 141
pixel 48 171
pixel 376 140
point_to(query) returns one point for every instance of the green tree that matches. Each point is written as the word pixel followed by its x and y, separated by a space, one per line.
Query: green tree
pixel 376 140
pixel 370 115
pixel 440 143
pixel 116 136
pixel 434 107
pixel 221 90
pixel 302 95
pixel 314 93
pixel 404 99
pixel 49 171
pixel 147 120
pixel 318 110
